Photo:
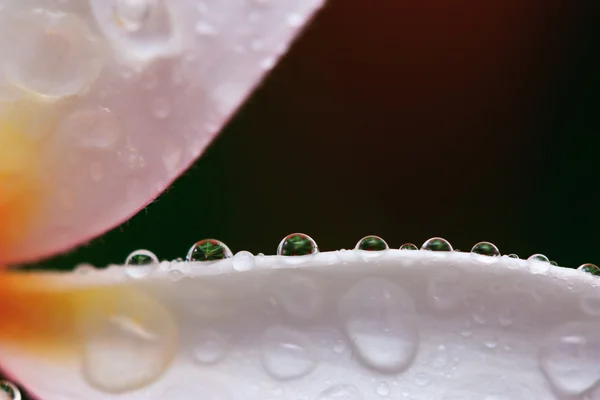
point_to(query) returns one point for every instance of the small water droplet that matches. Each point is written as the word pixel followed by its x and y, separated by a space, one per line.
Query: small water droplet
pixel 297 244
pixel 383 389
pixel 538 258
pixel 300 296
pixel 380 319
pixel 84 269
pixel 208 250
pixel 243 261
pixel 141 257
pixel 590 269
pixel 422 379
pixel 131 14
pixel 408 246
pixel 437 244
pixel 9 391
pixel 340 392
pixel 512 255
pixel 371 243
pixel 131 328
pixel 339 347
pixel 490 342
pixel 554 263
pixel 287 353
pixel 486 249
pixel 209 348
pixel 161 107
pixel 569 357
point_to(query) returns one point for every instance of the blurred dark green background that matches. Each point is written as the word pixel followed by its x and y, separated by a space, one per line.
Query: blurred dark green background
pixel 407 120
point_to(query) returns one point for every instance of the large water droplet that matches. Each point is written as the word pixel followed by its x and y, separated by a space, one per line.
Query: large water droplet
pixel 437 244
pixel 408 246
pixel 243 261
pixel 340 392
pixel 9 391
pixel 538 258
pixel 297 244
pixel 371 243
pixel 486 249
pixel 71 56
pixel 380 319
pixel 590 269
pixel 569 357
pixel 209 348
pixel 299 295
pixel 141 30
pixel 129 341
pixel 208 250
pixel 287 354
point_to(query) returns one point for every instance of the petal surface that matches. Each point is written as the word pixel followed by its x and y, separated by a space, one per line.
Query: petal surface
pixel 336 325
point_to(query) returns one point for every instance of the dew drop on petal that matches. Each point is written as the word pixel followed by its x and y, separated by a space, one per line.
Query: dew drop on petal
pixel 590 269
pixel 371 243
pixel 9 391
pixel 243 261
pixel 297 244
pixel 141 257
pixel 437 244
pixel 485 249
pixel 208 250
pixel 408 246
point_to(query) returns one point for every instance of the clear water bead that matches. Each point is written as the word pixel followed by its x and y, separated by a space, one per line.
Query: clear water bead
pixel 286 353
pixel 437 244
pixel 297 244
pixel 243 261
pixel 408 246
pixel 9 391
pixel 371 243
pixel 590 269
pixel 141 257
pixel 208 250
pixel 340 392
pixel 486 249
pixel 538 258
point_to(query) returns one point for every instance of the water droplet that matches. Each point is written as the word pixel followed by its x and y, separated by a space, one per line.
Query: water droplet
pixel 441 358
pixel 445 290
pixel 486 249
pixel 209 348
pixel 9 391
pixel 380 319
pixel 371 243
pixel 437 244
pixel 538 258
pixel 95 128
pixel 141 257
pixel 84 269
pixel 590 269
pixel 490 342
pixel 297 244
pixel 569 357
pixel 513 255
pixel 161 107
pixel 243 261
pixel 383 389
pixel 554 263
pixel 422 379
pixel 340 392
pixel 287 353
pixel 131 328
pixel 208 250
pixel 72 56
pixel 408 246
pixel 299 295
pixel 339 347
pixel 140 30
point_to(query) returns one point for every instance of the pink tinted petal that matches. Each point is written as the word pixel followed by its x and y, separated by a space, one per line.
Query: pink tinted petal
pixel 106 104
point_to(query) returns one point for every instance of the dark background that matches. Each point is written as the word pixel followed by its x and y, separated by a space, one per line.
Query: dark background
pixel 407 120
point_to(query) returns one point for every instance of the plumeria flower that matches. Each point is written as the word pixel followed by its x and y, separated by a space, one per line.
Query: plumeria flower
pixel 103 103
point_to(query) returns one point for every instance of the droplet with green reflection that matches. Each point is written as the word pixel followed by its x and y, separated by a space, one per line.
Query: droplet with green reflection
pixel 590 269
pixel 371 243
pixel 408 246
pixel 208 250
pixel 437 244
pixel 486 249
pixel 297 244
